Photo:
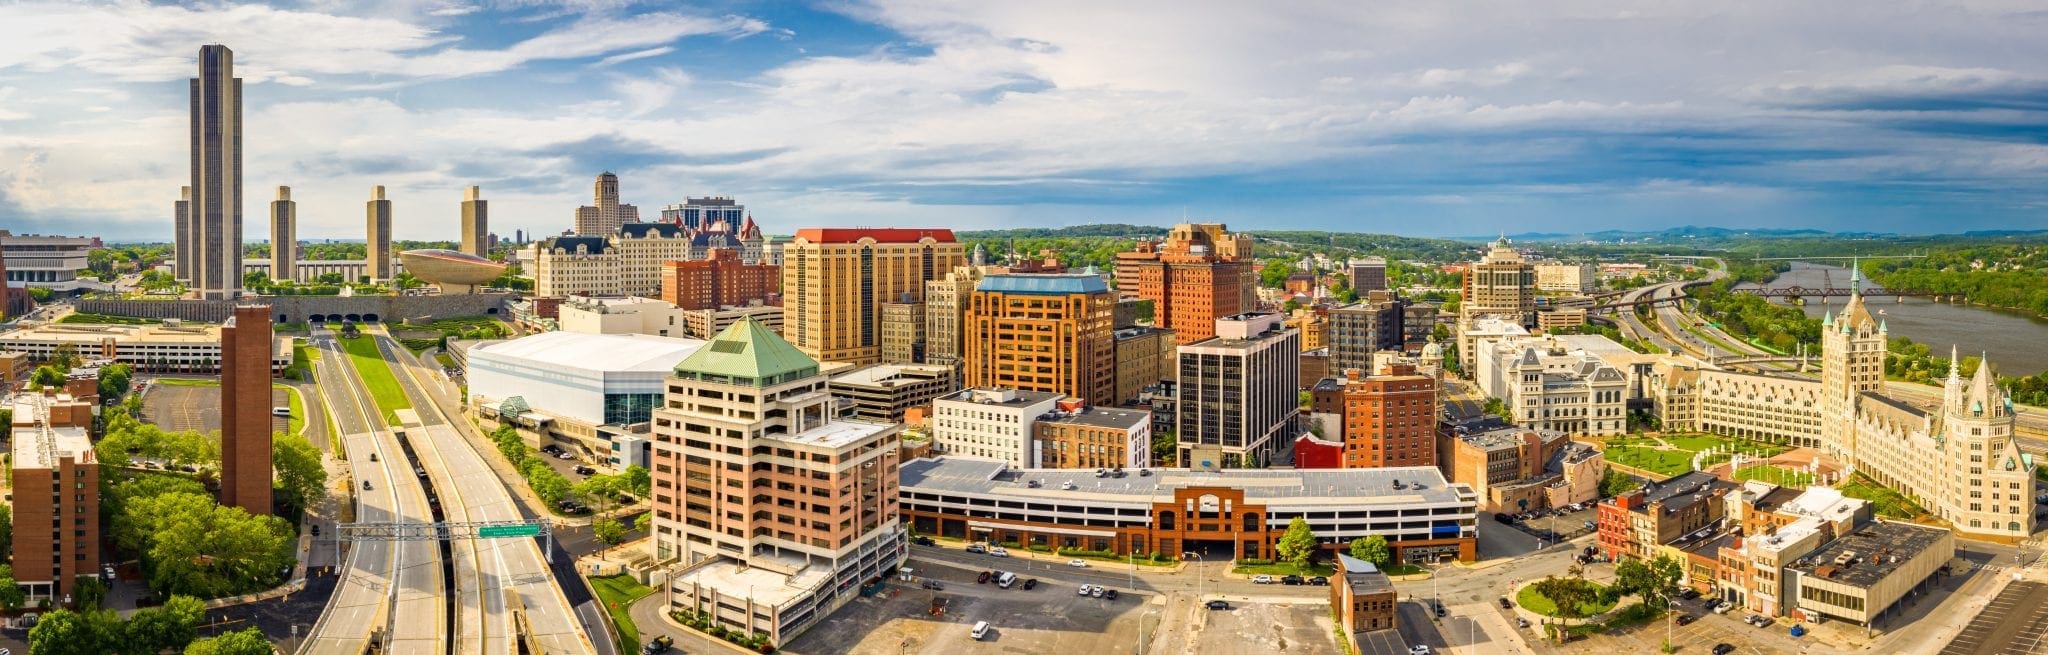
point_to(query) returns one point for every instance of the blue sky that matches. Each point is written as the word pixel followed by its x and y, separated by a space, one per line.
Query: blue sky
pixel 1422 118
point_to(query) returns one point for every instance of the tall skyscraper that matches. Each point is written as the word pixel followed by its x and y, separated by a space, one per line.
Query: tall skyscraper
pixel 284 235
pixel 216 216
pixel 605 215
pixel 183 244
pixel 476 222
pixel 245 348
pixel 835 281
pixel 1052 333
pixel 377 258
pixel 1501 283
pixel 946 312
pixel 1202 272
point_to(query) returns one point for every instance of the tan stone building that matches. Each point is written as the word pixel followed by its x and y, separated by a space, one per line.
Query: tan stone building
pixel 1144 357
pixel 1048 333
pixel 1582 277
pixel 56 491
pixel 903 332
pixel 1076 436
pixel 945 313
pixel 835 281
pixel 1501 282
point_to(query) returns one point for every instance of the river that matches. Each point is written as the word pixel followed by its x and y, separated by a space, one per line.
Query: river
pixel 2013 339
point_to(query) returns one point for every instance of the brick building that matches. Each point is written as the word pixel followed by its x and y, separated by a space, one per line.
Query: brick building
pixel 56 495
pixel 1363 597
pixel 1201 273
pixel 1636 523
pixel 1384 419
pixel 722 280
pixel 245 346
pixel 1049 333
pixel 1076 436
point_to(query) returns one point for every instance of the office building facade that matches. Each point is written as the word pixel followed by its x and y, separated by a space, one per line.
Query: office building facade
pixel 1049 333
pixel 695 213
pixel 837 279
pixel 216 223
pixel 1362 328
pixel 56 490
pixel 990 423
pixel 1238 399
pixel 721 280
pixel 1367 275
pixel 476 222
pixel 1077 436
pixel 945 314
pixel 604 215
pixel 1200 273
pixel 1386 417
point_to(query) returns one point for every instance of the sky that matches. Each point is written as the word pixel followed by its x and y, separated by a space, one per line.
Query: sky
pixel 1424 118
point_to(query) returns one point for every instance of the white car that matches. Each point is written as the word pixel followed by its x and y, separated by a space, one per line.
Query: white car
pixel 1262 579
pixel 1418 649
pixel 1083 591
pixel 999 551
pixel 1077 564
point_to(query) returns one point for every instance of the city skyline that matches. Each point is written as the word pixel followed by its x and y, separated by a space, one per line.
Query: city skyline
pixel 979 117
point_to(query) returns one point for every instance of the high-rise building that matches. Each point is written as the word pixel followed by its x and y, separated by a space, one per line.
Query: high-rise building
pixel 284 235
pixel 56 494
pixel 1385 419
pixel 377 256
pixel 1144 358
pixel 765 499
pixel 695 213
pixel 835 281
pixel 1201 273
pixel 184 248
pixel 903 336
pixel 604 216
pixel 1360 329
pixel 1238 392
pixel 1501 282
pixel 720 281
pixel 1581 277
pixel 1051 333
pixel 476 222
pixel 945 314
pixel 246 345
pixel 1368 274
pixel 990 423
pixel 216 209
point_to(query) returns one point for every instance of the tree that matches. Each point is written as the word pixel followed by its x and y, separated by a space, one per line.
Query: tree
pixel 1498 408
pixel 601 489
pixel 240 642
pixel 638 481
pixel 1372 548
pixel 1274 273
pixel 1298 544
pixel 6 529
pixel 46 376
pixel 300 475
pixel 1662 581
pixel 114 380
pixel 1165 444
pixel 11 596
pixel 609 531
pixel 1615 483
pixel 189 545
pixel 1572 596
pixel 64 632
pixel 645 523
pixel 65 357
pixel 170 627
pixel 88 591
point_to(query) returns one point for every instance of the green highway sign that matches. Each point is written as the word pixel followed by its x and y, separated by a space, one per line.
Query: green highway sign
pixel 497 531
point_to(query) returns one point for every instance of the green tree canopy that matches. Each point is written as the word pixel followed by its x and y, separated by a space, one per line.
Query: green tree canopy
pixel 170 627
pixel 64 632
pixel 638 480
pixel 1372 548
pixel 300 475
pixel 240 642
pixel 11 596
pixel 609 531
pixel 1298 544
pixel 190 545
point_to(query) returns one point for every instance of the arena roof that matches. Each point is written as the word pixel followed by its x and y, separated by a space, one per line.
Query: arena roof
pixel 608 352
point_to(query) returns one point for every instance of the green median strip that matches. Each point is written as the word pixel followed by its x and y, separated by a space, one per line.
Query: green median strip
pixel 618 592
pixel 377 376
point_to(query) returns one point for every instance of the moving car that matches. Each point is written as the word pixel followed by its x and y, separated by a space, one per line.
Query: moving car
pixel 1418 649
pixel 921 541
pixel 1077 564
pixel 976 548
pixel 1686 618
pixel 1262 579
pixel 1292 580
pixel 1219 604
pixel 1723 649
pixel 932 585
pixel 660 644
pixel 999 551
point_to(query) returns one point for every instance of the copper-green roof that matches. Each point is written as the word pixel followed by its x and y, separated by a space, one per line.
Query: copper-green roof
pixel 748 353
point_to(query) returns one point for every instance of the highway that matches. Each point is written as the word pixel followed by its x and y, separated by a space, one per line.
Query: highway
pixel 368 599
pixel 486 568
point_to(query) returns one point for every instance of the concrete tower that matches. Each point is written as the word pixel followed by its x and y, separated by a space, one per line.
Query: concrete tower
pixel 476 219
pixel 605 215
pixel 284 235
pixel 377 258
pixel 181 260
pixel 245 348
pixel 216 215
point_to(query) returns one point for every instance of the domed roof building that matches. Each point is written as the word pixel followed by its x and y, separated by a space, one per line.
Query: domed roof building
pixel 454 272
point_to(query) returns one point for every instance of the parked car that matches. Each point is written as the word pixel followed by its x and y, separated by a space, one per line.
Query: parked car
pixel 1219 604
pixel 1505 604
pixel 1752 619
pixel 1724 607
pixel 980 630
pixel 1319 581
pixel 1262 579
pixel 316 533
pixel 1292 580
pixel 1097 591
pixel 1077 564
pixel 933 585
pixel 1689 594
pixel 922 541
pixel 660 644
pixel 976 548
pixel 1030 583
pixel 1083 591
pixel 1418 649
pixel 1109 594
pixel 1686 618
pixel 983 578
pixel 581 469
pixel 1723 649
pixel 999 551
pixel 1521 622
pixel 1765 621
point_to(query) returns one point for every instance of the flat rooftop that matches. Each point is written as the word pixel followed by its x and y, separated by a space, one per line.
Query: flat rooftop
pixel 888 375
pixel 767 586
pixel 1682 492
pixel 1102 417
pixel 836 433
pixel 36 447
pixel 200 333
pixel 1340 487
pixel 987 396
pixel 1879 549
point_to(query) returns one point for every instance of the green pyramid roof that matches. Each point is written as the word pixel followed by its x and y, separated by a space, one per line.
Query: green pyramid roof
pixel 747 353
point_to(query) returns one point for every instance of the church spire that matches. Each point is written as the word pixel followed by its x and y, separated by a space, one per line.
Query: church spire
pixel 1855 276
pixel 1955 364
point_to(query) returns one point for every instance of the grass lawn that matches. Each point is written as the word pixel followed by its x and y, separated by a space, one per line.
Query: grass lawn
pixel 103 319
pixel 377 376
pixel 1889 504
pixel 1535 602
pixel 187 382
pixel 1776 475
pixel 1284 568
pixel 444 360
pixel 1662 462
pixel 298 405
pixel 618 592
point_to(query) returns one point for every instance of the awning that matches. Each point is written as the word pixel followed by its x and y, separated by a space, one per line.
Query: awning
pixel 982 526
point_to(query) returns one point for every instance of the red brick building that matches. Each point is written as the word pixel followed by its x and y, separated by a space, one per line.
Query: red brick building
pixel 245 346
pixel 1201 273
pixel 721 280
pixel 56 494
pixel 1386 419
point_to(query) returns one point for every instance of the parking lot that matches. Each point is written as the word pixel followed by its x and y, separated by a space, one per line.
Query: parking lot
pixel 1247 627
pixel 2013 623
pixel 1700 635
pixel 1048 619
pixel 1561 526
pixel 180 408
